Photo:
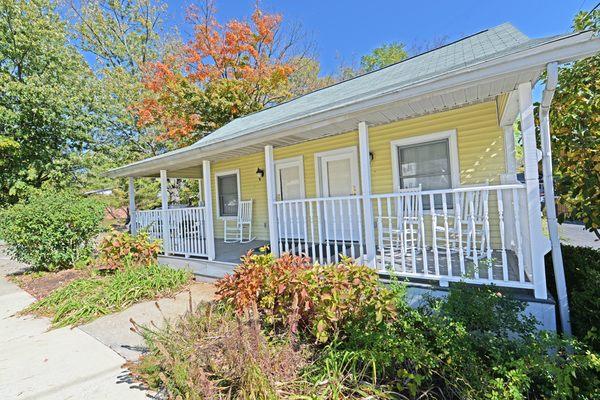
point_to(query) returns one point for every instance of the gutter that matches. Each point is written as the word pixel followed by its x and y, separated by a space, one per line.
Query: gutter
pixel 557 260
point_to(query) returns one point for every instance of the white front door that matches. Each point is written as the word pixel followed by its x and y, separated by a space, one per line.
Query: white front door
pixel 339 177
pixel 290 186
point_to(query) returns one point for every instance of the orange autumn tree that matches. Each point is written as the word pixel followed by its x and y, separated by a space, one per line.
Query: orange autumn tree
pixel 224 72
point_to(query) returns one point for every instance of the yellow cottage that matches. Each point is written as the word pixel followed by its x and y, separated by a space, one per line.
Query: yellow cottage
pixel 410 169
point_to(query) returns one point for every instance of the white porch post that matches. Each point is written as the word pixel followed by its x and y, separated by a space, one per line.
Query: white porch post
pixel 164 196
pixel 132 210
pixel 208 208
pixel 508 178
pixel 509 152
pixel 200 193
pixel 557 259
pixel 271 193
pixel 365 181
pixel 536 239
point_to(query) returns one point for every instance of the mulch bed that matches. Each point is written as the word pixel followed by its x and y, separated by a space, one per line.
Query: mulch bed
pixel 40 286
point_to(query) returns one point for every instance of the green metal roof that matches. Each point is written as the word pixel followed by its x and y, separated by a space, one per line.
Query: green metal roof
pixel 464 54
pixel 496 42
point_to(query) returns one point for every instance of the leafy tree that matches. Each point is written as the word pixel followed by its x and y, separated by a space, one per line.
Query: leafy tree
pixel 378 58
pixel 47 106
pixel 306 78
pixel 383 56
pixel 575 122
pixel 121 36
pixel 225 71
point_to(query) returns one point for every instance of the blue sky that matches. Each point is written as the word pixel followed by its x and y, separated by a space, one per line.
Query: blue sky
pixel 345 30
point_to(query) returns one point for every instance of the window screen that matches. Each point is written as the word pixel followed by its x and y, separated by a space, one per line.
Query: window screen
pixel 228 195
pixel 428 165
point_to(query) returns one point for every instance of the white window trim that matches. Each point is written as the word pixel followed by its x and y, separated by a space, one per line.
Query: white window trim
pixel 423 139
pixel 289 162
pixel 225 173
pixel 351 150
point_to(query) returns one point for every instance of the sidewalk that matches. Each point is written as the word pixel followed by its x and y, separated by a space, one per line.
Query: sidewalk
pixel 576 235
pixel 83 362
pixel 59 364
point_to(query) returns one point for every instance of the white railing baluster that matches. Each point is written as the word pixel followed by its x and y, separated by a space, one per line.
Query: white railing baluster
pixel 305 227
pixel 336 230
pixel 422 234
pixel 298 234
pixel 436 261
pixel 321 239
pixel 281 224
pixel 391 233
pixel 312 231
pixel 351 225
pixel 357 203
pixel 447 235
pixel 486 236
pixel 342 233
pixel 473 233
pixel 501 227
pixel 327 231
pixel 285 226
pixel 380 236
pixel 519 235
pixel 401 200
pixel 458 207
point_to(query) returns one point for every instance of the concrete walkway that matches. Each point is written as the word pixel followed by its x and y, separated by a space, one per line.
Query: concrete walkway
pixel 577 235
pixel 79 363
pixel 59 364
pixel 113 330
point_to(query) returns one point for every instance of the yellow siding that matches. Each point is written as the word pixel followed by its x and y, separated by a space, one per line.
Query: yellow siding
pixel 250 187
pixel 480 144
pixel 501 102
pixel 308 149
pixel 480 151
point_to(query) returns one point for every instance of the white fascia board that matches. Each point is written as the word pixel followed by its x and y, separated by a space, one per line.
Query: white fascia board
pixel 562 50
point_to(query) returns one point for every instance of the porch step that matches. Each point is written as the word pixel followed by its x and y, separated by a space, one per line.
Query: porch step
pixel 204 270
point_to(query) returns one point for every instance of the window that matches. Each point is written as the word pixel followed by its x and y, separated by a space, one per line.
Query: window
pixel 426 164
pixel 427 160
pixel 228 194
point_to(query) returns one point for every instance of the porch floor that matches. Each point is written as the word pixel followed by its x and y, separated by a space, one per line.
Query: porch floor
pixel 231 252
pixel 486 269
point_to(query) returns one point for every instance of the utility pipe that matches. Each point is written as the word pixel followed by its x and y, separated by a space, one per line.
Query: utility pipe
pixel 557 260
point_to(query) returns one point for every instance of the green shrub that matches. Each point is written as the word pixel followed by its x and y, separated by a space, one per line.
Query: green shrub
pixel 446 352
pixel 86 299
pixel 290 292
pixel 484 310
pixel 119 249
pixel 51 230
pixel 582 274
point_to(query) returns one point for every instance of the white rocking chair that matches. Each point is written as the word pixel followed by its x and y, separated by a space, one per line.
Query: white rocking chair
pixel 243 221
pixel 473 226
pixel 401 235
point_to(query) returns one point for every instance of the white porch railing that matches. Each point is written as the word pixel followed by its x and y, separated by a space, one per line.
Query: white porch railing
pixel 323 228
pixel 473 234
pixel 185 227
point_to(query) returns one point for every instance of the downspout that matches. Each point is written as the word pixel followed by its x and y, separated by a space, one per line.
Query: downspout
pixel 557 260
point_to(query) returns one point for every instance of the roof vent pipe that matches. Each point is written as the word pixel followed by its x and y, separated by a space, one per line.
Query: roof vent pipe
pixel 557 260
